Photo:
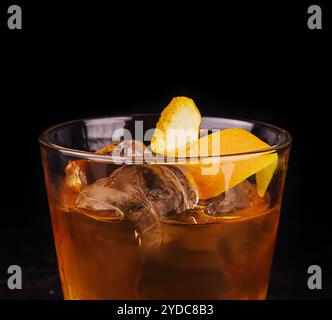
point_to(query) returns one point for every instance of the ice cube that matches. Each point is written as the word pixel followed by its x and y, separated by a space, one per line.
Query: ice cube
pixel 143 194
pixel 76 177
pixel 96 201
pixel 242 196
pixel 78 174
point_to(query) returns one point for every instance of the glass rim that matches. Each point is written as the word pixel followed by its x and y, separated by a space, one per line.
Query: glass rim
pixel 89 155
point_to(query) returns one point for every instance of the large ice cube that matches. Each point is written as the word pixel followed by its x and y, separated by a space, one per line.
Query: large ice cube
pixel 143 194
pixel 243 196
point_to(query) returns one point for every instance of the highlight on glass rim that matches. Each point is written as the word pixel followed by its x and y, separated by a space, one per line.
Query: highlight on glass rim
pixel 169 206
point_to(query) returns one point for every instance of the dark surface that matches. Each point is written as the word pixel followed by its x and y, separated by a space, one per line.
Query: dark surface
pixel 246 61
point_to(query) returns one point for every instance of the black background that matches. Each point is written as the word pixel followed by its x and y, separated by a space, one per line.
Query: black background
pixel 238 59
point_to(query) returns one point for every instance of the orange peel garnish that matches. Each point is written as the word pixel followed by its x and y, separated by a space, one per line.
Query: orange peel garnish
pixel 178 125
pixel 177 133
pixel 229 158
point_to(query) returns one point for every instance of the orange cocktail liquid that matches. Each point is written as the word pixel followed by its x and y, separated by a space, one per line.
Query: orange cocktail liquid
pixel 224 259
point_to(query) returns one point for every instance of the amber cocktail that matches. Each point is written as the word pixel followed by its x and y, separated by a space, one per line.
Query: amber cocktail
pixel 131 223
